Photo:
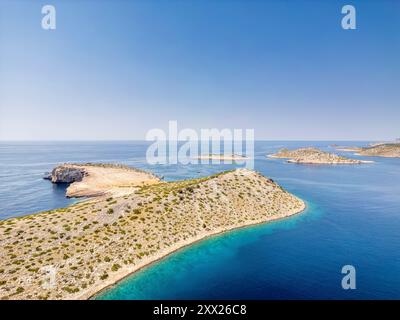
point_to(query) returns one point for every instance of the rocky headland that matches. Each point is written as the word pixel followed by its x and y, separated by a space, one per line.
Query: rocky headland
pixel 90 179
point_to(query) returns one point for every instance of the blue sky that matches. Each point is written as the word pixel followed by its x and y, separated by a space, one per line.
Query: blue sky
pixel 116 69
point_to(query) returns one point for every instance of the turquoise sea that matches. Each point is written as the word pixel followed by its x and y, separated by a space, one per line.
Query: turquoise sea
pixel 353 217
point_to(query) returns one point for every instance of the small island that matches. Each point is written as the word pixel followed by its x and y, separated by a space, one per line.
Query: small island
pixel 222 157
pixel 387 150
pixel 314 156
pixel 347 149
pixel 95 243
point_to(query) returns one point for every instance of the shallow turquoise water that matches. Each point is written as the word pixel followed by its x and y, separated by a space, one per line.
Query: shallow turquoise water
pixel 353 218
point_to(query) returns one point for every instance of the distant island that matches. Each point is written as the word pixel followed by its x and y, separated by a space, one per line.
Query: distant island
pixel 97 242
pixel 314 156
pixel 388 150
pixel 395 141
pixel 222 157
pixel 346 148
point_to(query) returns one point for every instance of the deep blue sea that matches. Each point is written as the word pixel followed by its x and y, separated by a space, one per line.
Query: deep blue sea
pixel 353 217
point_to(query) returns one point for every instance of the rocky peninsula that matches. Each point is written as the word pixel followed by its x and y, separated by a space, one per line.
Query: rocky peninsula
pixel 90 179
pixel 314 156
pixel 93 244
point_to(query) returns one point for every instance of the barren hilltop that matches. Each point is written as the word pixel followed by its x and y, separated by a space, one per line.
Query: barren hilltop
pixel 95 243
pixel 314 156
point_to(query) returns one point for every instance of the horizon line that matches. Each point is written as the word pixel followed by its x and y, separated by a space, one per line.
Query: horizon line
pixel 143 140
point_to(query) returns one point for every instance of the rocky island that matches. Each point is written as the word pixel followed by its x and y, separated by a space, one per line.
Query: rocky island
pixel 314 156
pixel 90 245
pixel 387 150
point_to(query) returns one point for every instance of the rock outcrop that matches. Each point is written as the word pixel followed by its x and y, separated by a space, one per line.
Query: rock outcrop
pixel 67 174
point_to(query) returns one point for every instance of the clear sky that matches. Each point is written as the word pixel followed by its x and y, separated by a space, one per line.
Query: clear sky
pixel 115 69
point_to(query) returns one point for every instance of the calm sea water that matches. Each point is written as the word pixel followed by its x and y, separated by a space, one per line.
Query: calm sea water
pixel 353 217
